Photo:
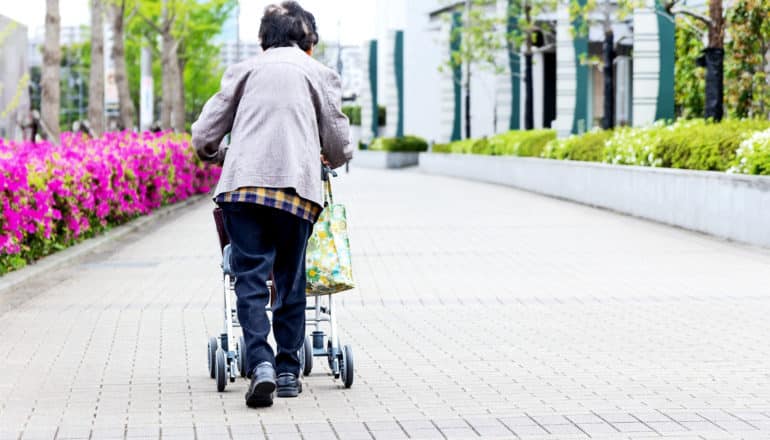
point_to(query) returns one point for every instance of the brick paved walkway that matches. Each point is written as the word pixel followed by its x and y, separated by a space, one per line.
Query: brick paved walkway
pixel 482 312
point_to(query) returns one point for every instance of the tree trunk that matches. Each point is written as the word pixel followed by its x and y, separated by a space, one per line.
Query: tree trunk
pixel 608 121
pixel 529 84
pixel 126 105
pixel 168 68
pixel 50 99
pixel 96 75
pixel 714 59
pixel 529 91
pixel 179 102
pixel 167 82
pixel 468 104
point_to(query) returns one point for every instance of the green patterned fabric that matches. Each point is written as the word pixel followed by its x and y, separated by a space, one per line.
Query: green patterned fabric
pixel 329 268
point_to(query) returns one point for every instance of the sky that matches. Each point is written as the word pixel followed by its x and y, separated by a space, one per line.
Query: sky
pixel 356 18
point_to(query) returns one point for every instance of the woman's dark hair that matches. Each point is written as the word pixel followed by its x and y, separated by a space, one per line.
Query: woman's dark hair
pixel 288 24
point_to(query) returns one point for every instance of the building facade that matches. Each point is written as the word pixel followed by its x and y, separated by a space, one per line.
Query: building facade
pixel 567 76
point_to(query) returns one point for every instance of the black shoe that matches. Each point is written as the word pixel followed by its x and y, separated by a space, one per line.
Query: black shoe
pixel 288 385
pixel 260 393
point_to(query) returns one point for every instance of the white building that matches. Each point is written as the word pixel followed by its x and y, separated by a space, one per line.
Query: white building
pixel 567 90
pixel 233 52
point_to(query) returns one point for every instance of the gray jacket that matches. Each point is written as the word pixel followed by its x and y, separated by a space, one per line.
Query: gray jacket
pixel 282 110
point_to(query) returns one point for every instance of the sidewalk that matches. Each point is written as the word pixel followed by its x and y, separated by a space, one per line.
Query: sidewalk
pixel 481 312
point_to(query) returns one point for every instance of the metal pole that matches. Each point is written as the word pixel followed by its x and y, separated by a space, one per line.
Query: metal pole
pixel 468 4
pixel 146 98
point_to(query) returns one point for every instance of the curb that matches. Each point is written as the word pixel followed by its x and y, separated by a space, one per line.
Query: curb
pixel 80 251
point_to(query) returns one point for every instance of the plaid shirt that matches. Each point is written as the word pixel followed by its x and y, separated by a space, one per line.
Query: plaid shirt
pixel 283 199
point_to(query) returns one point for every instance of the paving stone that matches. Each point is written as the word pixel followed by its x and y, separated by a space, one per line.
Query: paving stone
pixel 591 313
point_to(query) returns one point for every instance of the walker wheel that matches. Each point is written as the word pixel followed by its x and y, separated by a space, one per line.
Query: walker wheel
pixel 221 374
pixel 212 350
pixel 306 355
pixel 242 357
pixel 347 366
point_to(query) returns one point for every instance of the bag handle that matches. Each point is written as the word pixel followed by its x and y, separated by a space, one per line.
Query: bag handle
pixel 325 172
pixel 328 197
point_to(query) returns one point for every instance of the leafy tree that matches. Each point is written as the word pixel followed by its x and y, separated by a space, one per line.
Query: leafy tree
pixel 75 99
pixel 185 28
pixel 484 34
pixel 603 13
pixel 746 67
pixel 524 36
pixel 121 12
pixel 50 99
pixel 96 71
pixel 713 54
pixel 480 40
pixel 689 79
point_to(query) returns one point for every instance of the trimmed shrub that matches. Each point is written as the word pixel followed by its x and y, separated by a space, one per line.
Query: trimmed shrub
pixel 738 145
pixel 633 146
pixel 404 144
pixel 753 155
pixel 702 145
pixel 513 143
pixel 456 147
pixel 587 148
pixel 694 144
pixel 353 112
pixel 523 143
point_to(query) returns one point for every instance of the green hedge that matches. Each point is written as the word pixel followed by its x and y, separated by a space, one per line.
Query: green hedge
pixel 513 143
pixel 404 144
pixel 353 112
pixel 736 145
pixel 588 147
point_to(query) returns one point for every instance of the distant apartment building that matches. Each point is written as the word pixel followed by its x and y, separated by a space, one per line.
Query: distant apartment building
pixel 347 61
pixel 69 35
pixel 233 52
pixel 14 78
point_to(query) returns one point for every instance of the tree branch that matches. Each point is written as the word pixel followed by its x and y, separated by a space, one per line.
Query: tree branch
pixel 670 5
pixel 702 18
pixel 151 23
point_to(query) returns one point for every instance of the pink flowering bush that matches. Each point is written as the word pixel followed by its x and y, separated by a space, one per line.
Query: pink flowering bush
pixel 54 195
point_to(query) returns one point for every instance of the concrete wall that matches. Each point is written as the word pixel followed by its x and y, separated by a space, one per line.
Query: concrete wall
pixel 720 204
pixel 384 160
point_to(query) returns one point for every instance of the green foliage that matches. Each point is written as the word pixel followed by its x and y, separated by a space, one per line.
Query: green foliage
pixel 694 144
pixel 753 155
pixel 479 39
pixel 75 65
pixel 603 12
pixel 404 144
pixel 196 25
pixel 353 112
pixel 747 92
pixel 737 145
pixel 689 79
pixel 588 147
pixel 464 146
pixel 524 143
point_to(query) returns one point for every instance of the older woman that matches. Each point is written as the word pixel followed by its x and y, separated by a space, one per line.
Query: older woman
pixel 282 111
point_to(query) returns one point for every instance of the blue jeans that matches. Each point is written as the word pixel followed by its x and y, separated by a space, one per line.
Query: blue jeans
pixel 265 240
